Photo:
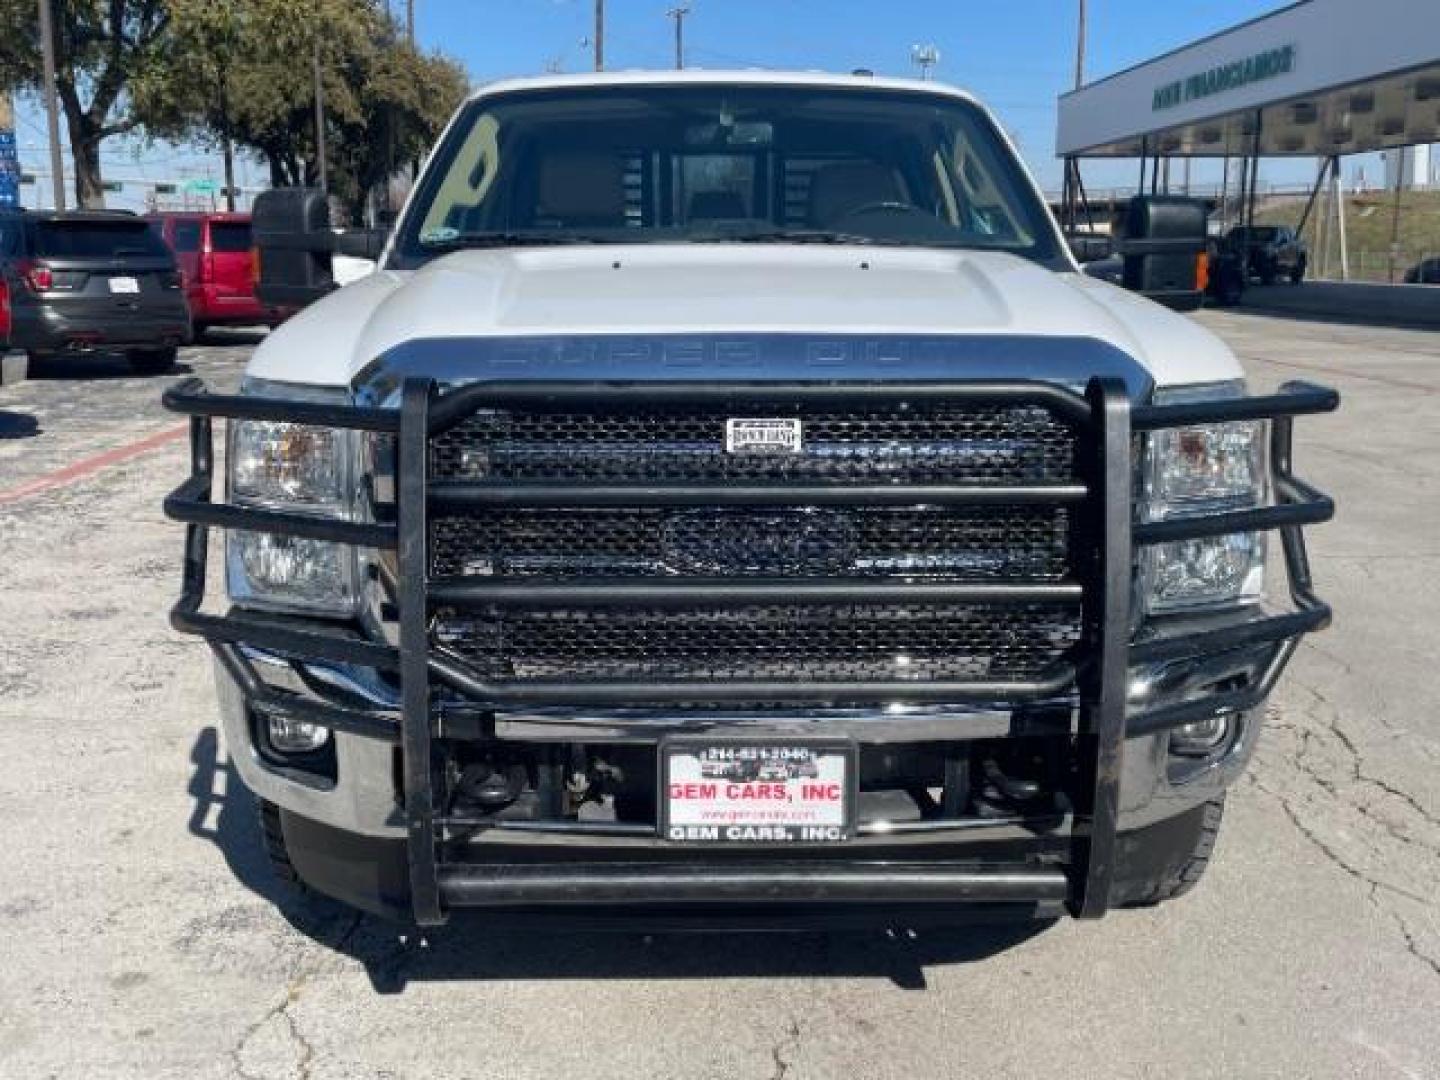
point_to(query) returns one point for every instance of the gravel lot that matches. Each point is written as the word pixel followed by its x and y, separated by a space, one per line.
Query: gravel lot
pixel 142 938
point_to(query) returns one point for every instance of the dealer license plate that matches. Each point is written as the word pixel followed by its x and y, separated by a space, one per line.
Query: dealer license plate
pixel 124 285
pixel 782 436
pixel 733 791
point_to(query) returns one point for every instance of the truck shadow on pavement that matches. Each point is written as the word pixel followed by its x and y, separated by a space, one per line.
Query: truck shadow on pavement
pixel 95 367
pixel 486 947
pixel 230 335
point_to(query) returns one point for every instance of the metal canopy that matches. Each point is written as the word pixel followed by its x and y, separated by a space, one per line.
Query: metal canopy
pixel 1319 78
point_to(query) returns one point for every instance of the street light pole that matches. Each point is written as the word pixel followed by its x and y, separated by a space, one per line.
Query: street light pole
pixel 925 57
pixel 52 111
pixel 678 14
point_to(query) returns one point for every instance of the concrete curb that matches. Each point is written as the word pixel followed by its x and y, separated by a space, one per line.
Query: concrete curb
pixel 1410 306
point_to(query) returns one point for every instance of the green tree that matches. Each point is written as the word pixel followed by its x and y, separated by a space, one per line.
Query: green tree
pixel 102 49
pixel 244 73
pixel 227 73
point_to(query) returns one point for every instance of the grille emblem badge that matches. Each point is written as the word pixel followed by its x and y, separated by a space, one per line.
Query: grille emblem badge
pixel 777 436
pixel 808 543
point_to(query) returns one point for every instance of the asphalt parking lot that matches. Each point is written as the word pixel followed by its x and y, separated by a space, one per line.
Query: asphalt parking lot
pixel 140 937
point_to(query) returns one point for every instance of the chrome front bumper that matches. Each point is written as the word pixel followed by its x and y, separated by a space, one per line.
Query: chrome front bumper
pixel 363 799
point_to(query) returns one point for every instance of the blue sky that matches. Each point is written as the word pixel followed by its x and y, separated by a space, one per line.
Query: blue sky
pixel 1018 55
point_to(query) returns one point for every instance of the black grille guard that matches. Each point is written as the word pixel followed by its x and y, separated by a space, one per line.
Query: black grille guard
pixel 1104 416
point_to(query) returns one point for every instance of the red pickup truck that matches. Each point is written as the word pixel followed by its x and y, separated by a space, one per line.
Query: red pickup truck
pixel 213 253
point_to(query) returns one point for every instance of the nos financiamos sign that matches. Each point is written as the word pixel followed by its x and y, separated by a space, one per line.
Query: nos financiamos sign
pixel 1217 80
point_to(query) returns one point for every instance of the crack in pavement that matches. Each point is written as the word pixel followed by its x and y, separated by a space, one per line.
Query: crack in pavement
pixel 1342 781
pixel 1329 717
pixel 1372 886
pixel 281 1009
pixel 779 1053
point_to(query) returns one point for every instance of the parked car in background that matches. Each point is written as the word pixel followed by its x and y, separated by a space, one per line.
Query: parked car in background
pixel 1271 252
pixel 213 251
pixel 90 281
pixel 1425 272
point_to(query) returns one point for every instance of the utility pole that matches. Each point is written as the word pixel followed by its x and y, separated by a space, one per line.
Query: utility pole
pixel 1080 50
pixel 410 22
pixel 1395 212
pixel 1339 195
pixel 678 14
pixel 321 168
pixel 599 35
pixel 228 151
pixel 52 111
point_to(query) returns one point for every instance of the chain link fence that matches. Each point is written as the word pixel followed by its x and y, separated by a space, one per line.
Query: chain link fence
pixel 1377 266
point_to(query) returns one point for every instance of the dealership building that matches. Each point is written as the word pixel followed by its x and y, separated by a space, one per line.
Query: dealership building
pixel 1317 79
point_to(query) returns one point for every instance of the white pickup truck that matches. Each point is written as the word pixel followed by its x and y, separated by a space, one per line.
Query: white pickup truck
pixel 727 497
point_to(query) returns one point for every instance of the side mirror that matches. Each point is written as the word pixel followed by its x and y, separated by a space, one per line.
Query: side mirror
pixel 1088 247
pixel 1163 245
pixel 296 247
pixel 361 243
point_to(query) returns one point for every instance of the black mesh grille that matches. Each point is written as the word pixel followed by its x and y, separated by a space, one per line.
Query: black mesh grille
pixel 970 544
pixel 863 443
pixel 965 642
pixel 924 443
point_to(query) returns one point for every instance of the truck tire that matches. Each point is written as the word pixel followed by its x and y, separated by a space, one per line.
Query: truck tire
pixel 152 361
pixel 1229 288
pixel 1297 275
pixel 1190 869
pixel 272 836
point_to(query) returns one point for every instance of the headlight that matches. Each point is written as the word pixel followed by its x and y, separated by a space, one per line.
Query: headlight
pixel 289 465
pixel 1200 470
pixel 298 469
pixel 289 573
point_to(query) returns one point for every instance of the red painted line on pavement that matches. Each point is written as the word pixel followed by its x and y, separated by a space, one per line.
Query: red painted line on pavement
pixel 91 465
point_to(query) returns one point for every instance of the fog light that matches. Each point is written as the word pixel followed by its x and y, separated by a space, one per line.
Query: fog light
pixel 1200 737
pixel 291 736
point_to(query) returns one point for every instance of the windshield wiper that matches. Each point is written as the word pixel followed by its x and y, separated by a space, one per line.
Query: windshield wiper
pixel 513 238
pixel 789 236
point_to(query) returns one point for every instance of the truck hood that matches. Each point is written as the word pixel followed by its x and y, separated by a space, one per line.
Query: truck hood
pixel 729 289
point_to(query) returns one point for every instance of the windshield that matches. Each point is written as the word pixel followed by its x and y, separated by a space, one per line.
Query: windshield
pixel 96 239
pixel 725 163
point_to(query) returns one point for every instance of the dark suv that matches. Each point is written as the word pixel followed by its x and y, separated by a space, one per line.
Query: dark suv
pixel 1271 252
pixel 90 281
